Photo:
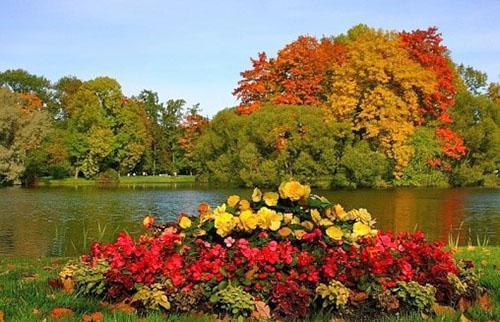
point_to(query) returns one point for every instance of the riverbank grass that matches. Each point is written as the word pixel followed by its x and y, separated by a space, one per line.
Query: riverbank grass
pixel 25 293
pixel 124 181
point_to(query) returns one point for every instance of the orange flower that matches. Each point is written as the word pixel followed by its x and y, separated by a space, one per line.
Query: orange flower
pixel 203 208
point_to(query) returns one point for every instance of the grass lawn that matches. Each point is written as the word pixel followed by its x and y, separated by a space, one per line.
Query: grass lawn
pixel 26 296
pixel 124 181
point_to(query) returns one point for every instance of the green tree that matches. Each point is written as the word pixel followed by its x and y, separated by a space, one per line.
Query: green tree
pixel 270 145
pixel 20 81
pixel 19 135
pixel 477 119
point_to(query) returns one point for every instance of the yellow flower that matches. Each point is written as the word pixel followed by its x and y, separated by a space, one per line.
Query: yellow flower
pixel 307 225
pixel 199 232
pixel 334 232
pixel 339 212
pixel 325 222
pixel 224 223
pixel 269 219
pixel 316 217
pixel 361 229
pixel 256 195
pixel 361 215
pixel 294 191
pixel 148 222
pixel 287 218
pixel 244 204
pixel 271 198
pixel 295 220
pixel 233 200
pixel 184 222
pixel 248 220
pixel 329 213
pixel 204 217
pixel 299 233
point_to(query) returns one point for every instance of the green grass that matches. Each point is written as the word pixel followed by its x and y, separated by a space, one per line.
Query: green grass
pixel 124 181
pixel 24 290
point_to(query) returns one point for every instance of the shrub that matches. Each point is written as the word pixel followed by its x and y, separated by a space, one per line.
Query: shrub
pixel 108 178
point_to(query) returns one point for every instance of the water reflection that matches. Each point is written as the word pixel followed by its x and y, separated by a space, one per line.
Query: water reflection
pixel 63 221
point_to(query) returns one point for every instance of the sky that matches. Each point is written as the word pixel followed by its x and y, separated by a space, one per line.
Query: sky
pixel 196 49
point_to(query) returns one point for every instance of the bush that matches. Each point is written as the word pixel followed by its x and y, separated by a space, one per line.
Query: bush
pixel 108 178
pixel 365 168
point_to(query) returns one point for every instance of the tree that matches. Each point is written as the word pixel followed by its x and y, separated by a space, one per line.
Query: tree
pixel 297 76
pixel 65 88
pixel 20 81
pixel 425 47
pixel 378 90
pixel 477 120
pixel 170 120
pixel 192 124
pixel 271 144
pixel 106 130
pixel 20 133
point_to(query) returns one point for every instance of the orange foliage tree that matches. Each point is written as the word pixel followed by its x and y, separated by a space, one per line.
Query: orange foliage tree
pixel 297 76
pixel 192 125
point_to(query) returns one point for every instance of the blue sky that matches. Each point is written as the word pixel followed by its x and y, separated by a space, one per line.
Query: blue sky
pixel 196 49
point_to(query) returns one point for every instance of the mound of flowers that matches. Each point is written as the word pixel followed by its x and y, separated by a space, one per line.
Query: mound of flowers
pixel 285 254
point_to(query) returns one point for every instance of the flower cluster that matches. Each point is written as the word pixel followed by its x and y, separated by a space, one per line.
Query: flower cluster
pixel 288 253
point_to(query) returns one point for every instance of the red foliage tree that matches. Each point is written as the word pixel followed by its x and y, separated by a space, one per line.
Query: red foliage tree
pixel 425 47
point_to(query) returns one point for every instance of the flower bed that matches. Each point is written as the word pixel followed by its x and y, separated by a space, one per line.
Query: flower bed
pixel 280 254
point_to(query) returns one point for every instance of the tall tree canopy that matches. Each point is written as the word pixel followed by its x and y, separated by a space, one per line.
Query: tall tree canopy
pixel 20 133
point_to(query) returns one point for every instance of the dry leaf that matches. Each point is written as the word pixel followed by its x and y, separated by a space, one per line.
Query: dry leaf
pixel 36 312
pixel 61 313
pixel 485 302
pixel 442 309
pixel 93 317
pixel 55 283
pixel 463 304
pixel 11 267
pixel 122 307
pixel 2 316
pixel 262 310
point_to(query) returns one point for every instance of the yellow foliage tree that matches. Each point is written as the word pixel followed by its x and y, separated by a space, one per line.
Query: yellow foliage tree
pixel 378 89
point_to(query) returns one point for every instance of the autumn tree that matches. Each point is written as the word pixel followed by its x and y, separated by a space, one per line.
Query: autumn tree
pixel 297 76
pixel 426 48
pixel 379 89
pixel 192 124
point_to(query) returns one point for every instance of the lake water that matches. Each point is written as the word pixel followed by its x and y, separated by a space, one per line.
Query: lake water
pixel 64 221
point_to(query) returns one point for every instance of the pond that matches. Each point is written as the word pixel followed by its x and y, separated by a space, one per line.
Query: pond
pixel 64 221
